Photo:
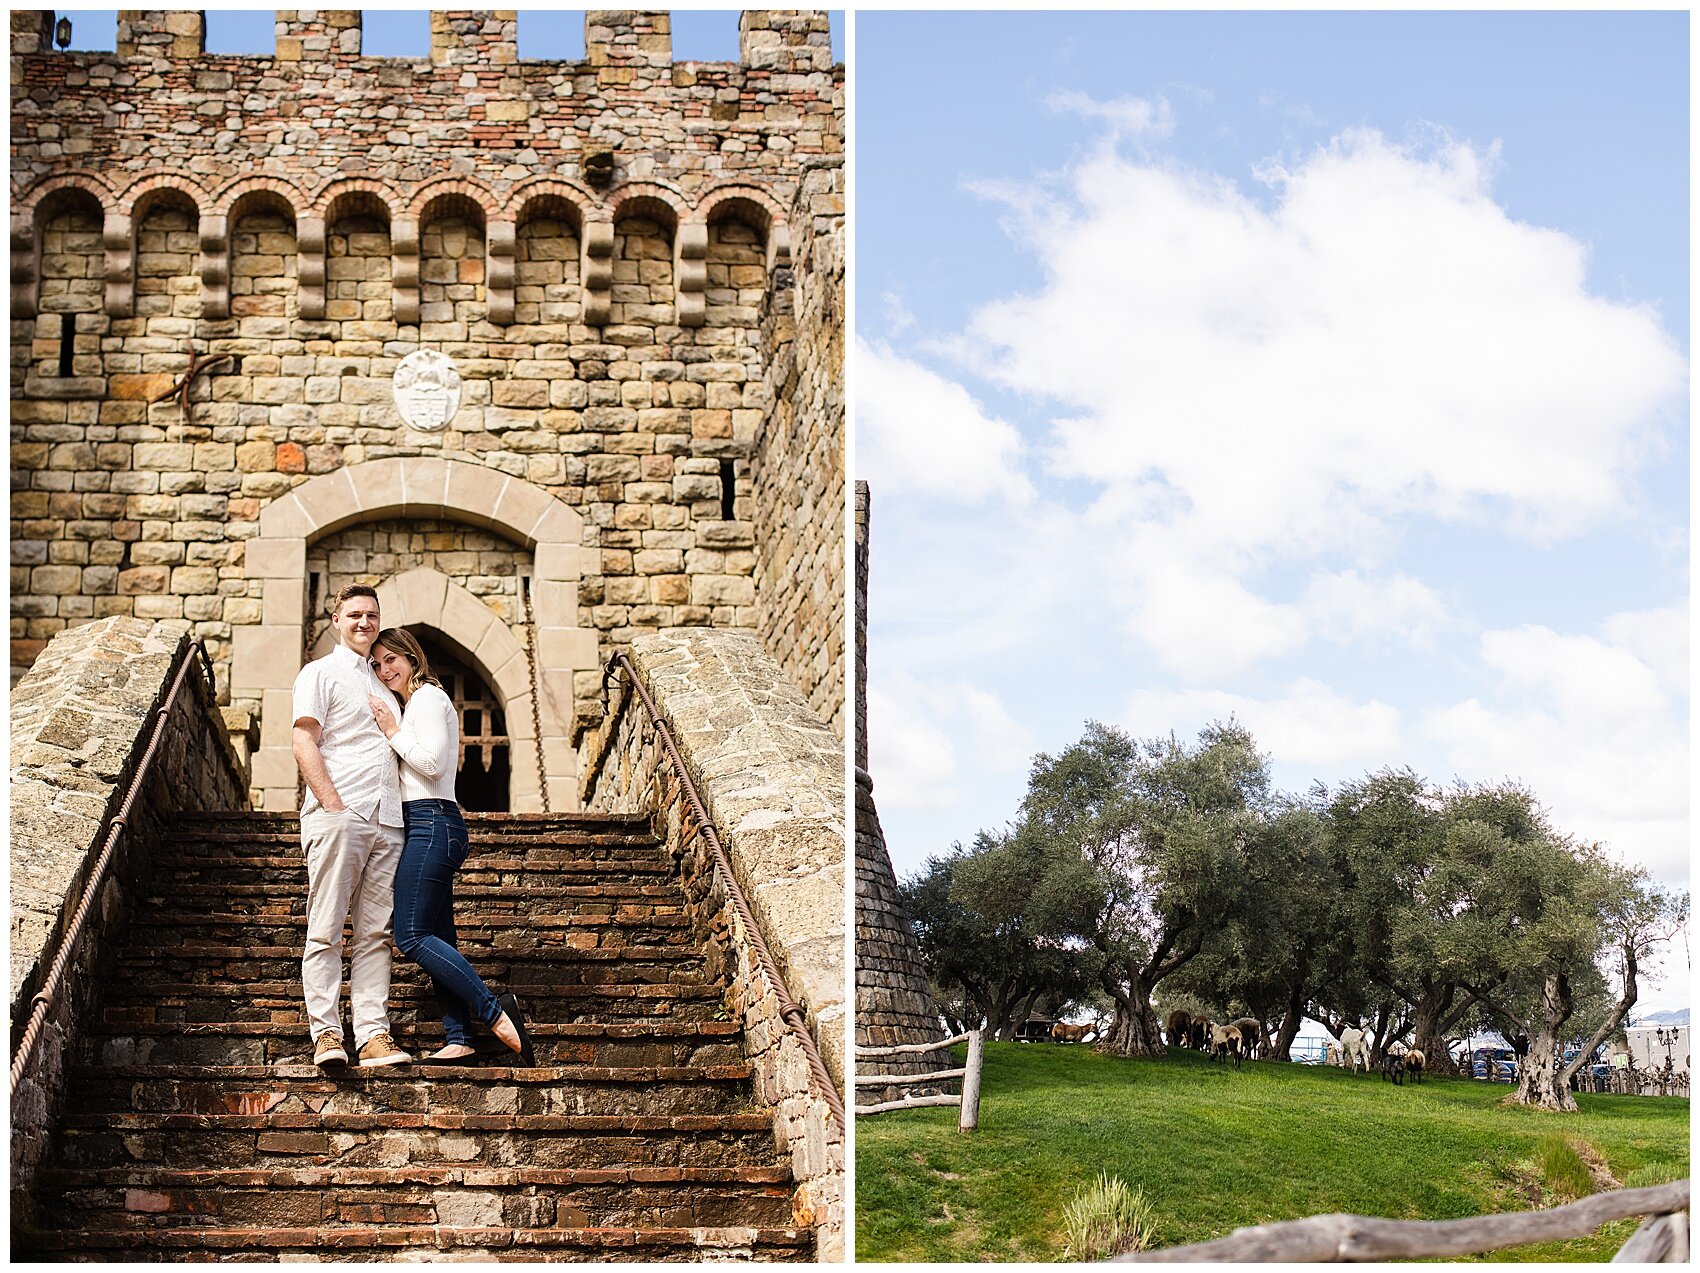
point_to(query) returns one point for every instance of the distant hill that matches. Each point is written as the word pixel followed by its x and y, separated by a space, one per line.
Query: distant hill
pixel 1670 1016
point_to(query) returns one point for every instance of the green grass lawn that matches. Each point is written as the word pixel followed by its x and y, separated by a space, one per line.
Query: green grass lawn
pixel 1215 1149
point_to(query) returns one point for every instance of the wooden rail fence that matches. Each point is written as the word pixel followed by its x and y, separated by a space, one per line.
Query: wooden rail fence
pixel 969 1074
pixel 1662 1239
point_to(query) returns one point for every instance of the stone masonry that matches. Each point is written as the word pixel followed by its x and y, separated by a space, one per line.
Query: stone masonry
pixel 634 263
pixel 80 721
pixel 771 777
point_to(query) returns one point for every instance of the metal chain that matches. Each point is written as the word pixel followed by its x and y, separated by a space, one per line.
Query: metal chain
pixel 536 689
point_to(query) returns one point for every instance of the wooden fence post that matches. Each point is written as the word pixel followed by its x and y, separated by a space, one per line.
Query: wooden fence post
pixel 971 1084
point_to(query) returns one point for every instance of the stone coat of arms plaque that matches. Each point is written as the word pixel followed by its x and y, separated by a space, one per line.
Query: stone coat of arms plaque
pixel 427 389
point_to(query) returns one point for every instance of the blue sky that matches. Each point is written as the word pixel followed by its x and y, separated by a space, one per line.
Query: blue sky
pixel 1325 369
pixel 704 35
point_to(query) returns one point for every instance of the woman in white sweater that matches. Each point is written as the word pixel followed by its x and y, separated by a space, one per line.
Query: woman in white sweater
pixel 427 739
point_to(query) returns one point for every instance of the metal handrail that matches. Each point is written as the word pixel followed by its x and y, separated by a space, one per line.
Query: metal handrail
pixel 789 1009
pixel 42 1004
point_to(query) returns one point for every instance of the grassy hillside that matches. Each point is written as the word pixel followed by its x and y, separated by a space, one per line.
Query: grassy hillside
pixel 1215 1149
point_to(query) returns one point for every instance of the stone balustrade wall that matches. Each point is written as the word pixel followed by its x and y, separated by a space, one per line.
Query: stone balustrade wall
pixel 81 720
pixel 771 777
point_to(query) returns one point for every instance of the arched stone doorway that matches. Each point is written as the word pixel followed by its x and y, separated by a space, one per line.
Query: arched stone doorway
pixel 267 655
pixel 486 752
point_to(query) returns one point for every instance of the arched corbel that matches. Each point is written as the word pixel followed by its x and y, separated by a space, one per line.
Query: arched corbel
pixel 310 267
pixel 499 243
pixel 596 271
pixel 404 248
pixel 215 267
pixel 26 263
pixel 118 237
pixel 690 272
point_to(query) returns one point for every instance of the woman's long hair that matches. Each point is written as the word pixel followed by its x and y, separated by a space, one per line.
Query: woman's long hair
pixel 407 645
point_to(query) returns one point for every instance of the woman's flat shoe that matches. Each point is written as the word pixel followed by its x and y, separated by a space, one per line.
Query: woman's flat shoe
pixel 526 1056
pixel 471 1058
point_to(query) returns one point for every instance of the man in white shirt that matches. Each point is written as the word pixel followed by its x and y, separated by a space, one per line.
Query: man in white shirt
pixel 351 832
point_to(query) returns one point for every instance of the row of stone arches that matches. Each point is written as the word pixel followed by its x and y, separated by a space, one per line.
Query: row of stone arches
pixel 535 689
pixel 212 227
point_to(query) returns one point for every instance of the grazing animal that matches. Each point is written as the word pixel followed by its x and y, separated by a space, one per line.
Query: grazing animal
pixel 1223 1040
pixel 1354 1047
pixel 1414 1063
pixel 1200 1034
pixel 1331 1055
pixel 1063 1032
pixel 1251 1033
pixel 1178 1027
pixel 1393 1067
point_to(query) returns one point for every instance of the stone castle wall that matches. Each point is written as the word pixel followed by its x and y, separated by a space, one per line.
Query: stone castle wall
pixel 798 473
pixel 601 248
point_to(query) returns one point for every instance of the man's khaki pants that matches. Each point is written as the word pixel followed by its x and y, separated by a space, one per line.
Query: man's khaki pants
pixel 350 872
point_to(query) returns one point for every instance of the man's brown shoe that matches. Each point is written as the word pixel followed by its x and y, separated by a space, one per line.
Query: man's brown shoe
pixel 330 1050
pixel 380 1049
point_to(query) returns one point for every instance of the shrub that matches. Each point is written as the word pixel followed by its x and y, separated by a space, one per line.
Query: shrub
pixel 1562 1169
pixel 1106 1218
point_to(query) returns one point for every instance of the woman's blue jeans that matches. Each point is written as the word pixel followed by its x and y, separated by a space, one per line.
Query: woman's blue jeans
pixel 424 915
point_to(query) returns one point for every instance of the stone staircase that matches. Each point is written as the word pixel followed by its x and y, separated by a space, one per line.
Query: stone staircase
pixel 198 1129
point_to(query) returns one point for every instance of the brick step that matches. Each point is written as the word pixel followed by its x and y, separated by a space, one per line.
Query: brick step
pixel 179 1002
pixel 576 1043
pixel 434 1139
pixel 301 1089
pixel 518 1197
pixel 176 869
pixel 415 1017
pixel 493 894
pixel 284 841
pixel 555 964
pixel 406 1242
pixel 476 935
pixel 565 823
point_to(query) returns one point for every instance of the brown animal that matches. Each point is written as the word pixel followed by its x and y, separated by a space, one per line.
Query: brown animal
pixel 1063 1032
pixel 1414 1063
pixel 1199 1034
pixel 1250 1033
pixel 1178 1027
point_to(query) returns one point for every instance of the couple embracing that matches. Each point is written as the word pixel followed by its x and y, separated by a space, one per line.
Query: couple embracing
pixel 377 741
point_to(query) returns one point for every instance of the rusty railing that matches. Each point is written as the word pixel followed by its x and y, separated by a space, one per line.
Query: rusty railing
pixel 44 999
pixel 789 1009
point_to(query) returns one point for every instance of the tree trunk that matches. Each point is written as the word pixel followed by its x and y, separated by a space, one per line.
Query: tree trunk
pixel 1134 1029
pixel 1434 1016
pixel 1542 1082
pixel 1281 1048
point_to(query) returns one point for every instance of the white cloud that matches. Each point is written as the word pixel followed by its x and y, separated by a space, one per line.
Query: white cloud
pixel 921 731
pixel 1591 729
pixel 917 431
pixel 1659 638
pixel 912 760
pixel 1344 606
pixel 1134 118
pixel 1250 385
pixel 1309 725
